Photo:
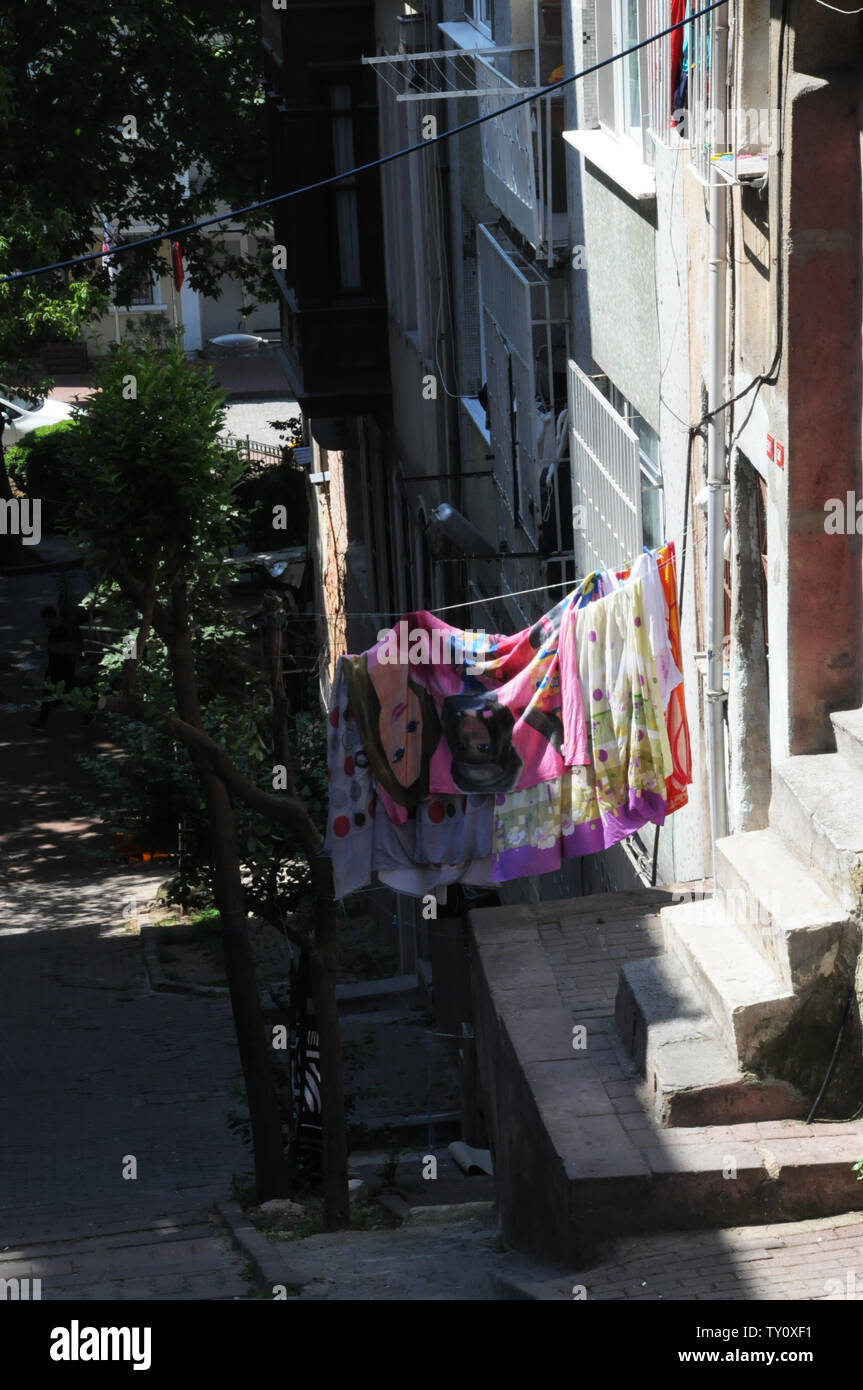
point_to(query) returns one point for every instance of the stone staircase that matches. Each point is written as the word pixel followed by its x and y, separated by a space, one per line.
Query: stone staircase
pixel 738 1020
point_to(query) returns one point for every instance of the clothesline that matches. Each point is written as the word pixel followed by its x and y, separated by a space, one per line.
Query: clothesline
pixel 572 736
pixel 494 598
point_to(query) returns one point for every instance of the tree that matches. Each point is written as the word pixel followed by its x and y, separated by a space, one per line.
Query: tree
pixel 154 504
pixel 109 108
pixel 105 109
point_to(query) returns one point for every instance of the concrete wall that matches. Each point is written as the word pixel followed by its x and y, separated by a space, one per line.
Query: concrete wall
pixel 619 238
pixel 639 314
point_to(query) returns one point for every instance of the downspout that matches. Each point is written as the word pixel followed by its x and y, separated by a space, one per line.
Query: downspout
pixel 718 268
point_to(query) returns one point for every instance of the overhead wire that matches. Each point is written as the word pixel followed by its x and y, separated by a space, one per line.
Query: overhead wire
pixel 177 232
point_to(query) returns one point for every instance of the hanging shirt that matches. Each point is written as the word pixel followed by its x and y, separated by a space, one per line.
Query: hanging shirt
pixel 624 786
pixel 645 568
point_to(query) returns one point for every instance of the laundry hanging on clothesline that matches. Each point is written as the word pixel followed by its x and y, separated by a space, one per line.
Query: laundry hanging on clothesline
pixel 462 757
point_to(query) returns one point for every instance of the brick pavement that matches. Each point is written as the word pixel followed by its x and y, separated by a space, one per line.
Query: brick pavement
pixel 802 1260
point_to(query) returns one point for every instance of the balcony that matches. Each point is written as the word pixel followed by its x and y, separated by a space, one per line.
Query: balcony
pixel 323 121
pixel 522 159
pixel 524 167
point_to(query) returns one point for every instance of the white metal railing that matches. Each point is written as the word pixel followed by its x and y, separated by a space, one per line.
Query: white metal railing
pixel 658 67
pixel 255 449
pixel 606 479
pixel 518 322
pixel 703 117
pixel 701 36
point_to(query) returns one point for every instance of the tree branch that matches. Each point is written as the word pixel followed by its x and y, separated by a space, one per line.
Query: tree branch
pixel 287 809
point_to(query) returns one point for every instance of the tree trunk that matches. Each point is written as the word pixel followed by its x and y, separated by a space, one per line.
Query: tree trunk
pixel 323 959
pixel 271 1174
pixel 323 946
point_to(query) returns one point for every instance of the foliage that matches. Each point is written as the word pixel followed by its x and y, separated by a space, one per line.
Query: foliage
pixel 37 465
pixel 178 89
pixel 150 460
pixel 267 485
pixel 189 77
pixel 151 787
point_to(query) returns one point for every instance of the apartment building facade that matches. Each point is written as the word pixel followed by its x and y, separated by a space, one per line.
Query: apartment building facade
pixel 627 310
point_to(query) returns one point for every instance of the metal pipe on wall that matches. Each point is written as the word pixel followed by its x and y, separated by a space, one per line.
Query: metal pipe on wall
pixel 718 271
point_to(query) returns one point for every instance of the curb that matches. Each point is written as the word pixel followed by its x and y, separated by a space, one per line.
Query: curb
pixel 159 980
pixel 161 984
pixel 510 1287
pixel 268 1264
pixel 444 1214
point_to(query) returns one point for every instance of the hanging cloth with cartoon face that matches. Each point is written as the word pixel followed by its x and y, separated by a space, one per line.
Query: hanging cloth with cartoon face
pixel 443 711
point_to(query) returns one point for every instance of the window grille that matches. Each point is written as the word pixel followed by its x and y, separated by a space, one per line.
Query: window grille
pixel 606 479
pixel 659 74
pixel 700 40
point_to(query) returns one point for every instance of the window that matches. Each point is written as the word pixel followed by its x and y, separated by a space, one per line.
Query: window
pixel 620 85
pixel 479 13
pixel 347 220
pixel 522 317
pixel 652 521
pixel 408 210
pixel 135 287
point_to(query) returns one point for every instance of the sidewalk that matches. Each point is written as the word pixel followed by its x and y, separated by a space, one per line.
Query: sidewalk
pixel 100 1078
pixel 250 376
pixel 798 1260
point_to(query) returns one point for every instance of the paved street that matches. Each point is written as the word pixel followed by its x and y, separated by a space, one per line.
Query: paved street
pixel 95 1069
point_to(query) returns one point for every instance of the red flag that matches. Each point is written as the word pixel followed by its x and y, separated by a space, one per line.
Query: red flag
pixel 177 259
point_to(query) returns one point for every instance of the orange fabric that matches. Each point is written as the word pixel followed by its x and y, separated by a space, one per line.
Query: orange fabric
pixel 675 715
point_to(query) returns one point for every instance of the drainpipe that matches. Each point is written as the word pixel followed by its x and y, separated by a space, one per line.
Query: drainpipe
pixel 718 193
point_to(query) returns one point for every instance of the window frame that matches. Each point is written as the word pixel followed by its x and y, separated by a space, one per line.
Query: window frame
pixel 349 268
pixel 480 14
pixel 137 302
pixel 613 95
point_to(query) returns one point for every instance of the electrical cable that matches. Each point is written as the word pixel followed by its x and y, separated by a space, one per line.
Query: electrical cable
pixel 825 1082
pixel 177 232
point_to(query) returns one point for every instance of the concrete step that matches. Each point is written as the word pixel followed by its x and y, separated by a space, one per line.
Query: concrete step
pixel 690 1078
pixel 586 1161
pixel 848 728
pixel 817 809
pixel 780 907
pixel 744 995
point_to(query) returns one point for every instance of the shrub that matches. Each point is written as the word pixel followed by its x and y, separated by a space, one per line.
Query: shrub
pixel 38 463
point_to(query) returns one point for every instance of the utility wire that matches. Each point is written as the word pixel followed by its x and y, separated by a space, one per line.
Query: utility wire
pixel 176 232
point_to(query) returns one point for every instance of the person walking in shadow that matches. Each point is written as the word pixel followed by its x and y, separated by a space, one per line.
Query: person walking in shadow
pixel 62 647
